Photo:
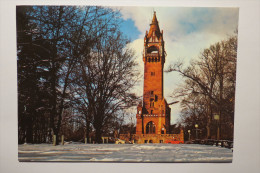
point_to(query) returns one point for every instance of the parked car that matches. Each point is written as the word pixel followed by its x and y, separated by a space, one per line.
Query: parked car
pixel 119 141
pixel 210 142
pixel 128 142
pixel 172 141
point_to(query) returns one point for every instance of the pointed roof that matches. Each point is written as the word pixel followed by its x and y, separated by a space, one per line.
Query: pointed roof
pixel 154 26
pixel 154 21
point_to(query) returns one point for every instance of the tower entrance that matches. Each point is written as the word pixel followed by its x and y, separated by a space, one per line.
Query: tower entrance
pixel 150 128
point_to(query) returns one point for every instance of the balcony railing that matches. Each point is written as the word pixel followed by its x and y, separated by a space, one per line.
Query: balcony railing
pixel 152 115
pixel 152 54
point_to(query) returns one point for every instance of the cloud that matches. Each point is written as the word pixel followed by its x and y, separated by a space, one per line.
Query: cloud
pixel 137 46
pixel 187 31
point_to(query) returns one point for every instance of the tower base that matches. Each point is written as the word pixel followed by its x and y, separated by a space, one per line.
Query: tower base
pixel 154 138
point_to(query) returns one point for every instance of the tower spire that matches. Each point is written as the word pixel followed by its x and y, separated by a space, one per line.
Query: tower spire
pixel 154 27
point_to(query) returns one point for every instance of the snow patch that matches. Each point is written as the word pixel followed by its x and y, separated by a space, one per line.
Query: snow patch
pixel 124 153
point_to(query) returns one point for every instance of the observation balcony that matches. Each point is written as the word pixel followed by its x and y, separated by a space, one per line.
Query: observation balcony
pixel 151 115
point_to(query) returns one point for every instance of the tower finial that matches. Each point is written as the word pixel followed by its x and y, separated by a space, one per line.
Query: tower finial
pixel 154 21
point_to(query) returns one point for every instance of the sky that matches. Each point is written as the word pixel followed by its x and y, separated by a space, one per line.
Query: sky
pixel 187 32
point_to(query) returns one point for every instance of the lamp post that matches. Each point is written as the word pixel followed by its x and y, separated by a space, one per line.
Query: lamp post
pixel 196 126
pixel 216 117
pixel 189 134
pixel 173 103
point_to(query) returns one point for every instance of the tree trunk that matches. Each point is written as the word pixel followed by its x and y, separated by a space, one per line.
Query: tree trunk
pixel 87 131
pixel 57 136
pixel 98 135
pixel 209 120
pixel 29 130
pixel 221 86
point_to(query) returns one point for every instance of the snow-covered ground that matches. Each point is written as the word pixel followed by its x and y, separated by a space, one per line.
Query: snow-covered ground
pixel 124 153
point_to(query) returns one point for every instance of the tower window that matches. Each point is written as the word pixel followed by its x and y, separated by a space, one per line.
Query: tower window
pixel 152 104
pixel 152 73
pixel 151 111
pixel 152 49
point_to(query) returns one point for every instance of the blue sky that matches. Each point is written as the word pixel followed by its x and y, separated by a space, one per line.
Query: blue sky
pixel 187 31
pixel 129 29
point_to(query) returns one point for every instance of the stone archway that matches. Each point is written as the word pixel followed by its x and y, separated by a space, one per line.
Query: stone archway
pixel 150 128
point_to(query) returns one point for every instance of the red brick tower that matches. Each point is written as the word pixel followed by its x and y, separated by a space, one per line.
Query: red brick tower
pixel 153 115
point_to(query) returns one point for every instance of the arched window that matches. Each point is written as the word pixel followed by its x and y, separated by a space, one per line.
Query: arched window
pixel 152 49
pixel 150 128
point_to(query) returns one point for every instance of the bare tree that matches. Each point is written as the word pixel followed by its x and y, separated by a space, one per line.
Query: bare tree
pixel 210 84
pixel 105 78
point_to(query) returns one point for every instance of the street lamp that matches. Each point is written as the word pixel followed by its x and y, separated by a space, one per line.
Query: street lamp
pixel 196 126
pixel 173 103
pixel 216 117
pixel 189 134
